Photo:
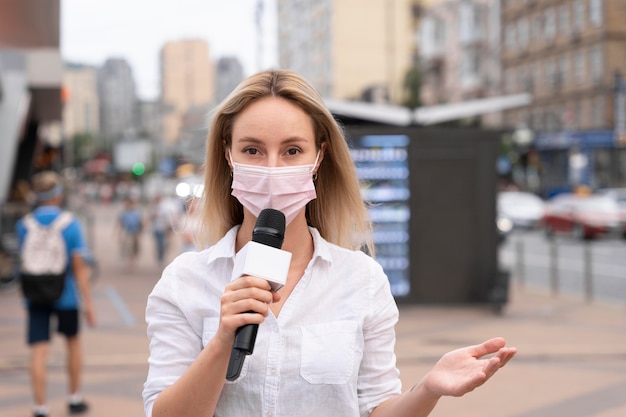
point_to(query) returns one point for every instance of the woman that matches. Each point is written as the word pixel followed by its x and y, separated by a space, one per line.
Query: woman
pixel 325 343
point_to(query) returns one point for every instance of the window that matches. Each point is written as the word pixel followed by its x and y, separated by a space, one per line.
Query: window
pixel 564 69
pixel 522 32
pixel 596 63
pixel 509 37
pixel 522 77
pixel 595 12
pixel 579 15
pixel 564 25
pixel 549 24
pixel 550 73
pixel 579 66
pixel 470 22
pixel 509 80
pixel 432 36
pixel 537 75
pixel 536 26
pixel 597 113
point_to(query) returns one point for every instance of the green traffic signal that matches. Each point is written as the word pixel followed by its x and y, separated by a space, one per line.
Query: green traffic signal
pixel 138 168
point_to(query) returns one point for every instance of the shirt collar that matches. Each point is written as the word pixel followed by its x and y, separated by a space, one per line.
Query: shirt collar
pixel 49 209
pixel 225 248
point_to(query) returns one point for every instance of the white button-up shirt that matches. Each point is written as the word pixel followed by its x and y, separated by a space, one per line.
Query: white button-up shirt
pixel 330 351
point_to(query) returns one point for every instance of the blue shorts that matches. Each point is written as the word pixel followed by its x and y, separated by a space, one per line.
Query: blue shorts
pixel 39 319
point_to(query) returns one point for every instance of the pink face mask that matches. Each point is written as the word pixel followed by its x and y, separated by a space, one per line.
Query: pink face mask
pixel 287 189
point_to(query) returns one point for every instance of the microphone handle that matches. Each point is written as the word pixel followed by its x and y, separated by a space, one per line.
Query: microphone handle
pixel 244 345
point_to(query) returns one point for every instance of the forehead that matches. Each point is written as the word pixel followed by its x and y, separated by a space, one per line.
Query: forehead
pixel 273 118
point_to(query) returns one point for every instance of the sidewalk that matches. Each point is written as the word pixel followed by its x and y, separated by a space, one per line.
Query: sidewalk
pixel 571 360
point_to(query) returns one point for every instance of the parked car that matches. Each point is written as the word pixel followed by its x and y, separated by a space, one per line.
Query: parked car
pixel 619 195
pixel 523 209
pixel 583 216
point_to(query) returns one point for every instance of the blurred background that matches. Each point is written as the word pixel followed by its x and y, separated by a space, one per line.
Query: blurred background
pixel 490 136
pixel 500 105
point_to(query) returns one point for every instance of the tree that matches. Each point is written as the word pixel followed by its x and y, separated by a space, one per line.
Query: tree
pixel 412 86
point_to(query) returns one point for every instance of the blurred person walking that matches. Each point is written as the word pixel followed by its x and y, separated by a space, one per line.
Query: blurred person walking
pixel 130 224
pixel 190 224
pixel 75 293
pixel 161 222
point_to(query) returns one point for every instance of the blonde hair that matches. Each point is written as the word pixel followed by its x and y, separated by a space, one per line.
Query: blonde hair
pixel 338 212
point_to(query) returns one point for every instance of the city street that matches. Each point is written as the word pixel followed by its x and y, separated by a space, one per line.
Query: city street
pixel 571 361
pixel 595 268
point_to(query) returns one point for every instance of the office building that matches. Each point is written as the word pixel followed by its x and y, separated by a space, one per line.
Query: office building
pixel 81 107
pixel 118 99
pixel 349 49
pixel 187 81
pixel 229 74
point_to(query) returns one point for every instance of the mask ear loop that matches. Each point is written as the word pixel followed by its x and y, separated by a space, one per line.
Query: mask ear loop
pixel 232 164
pixel 315 165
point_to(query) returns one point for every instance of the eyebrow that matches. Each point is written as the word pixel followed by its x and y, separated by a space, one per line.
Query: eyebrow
pixel 253 140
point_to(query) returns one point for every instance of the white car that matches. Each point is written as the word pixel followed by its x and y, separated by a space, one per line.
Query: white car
pixel 525 210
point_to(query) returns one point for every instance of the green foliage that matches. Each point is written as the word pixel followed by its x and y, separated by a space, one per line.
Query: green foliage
pixel 412 86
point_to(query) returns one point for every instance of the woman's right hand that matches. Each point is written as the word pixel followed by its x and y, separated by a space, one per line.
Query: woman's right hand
pixel 245 300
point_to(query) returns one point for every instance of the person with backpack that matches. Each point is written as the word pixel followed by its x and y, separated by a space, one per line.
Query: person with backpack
pixel 55 283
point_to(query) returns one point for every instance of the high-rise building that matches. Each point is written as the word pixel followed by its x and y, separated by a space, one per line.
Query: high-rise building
pixel 118 99
pixel 228 75
pixel 349 49
pixel 81 107
pixel 187 81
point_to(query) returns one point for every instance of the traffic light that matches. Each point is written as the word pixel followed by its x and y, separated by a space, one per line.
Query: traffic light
pixel 138 168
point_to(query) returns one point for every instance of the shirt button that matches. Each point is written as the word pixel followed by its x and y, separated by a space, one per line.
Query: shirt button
pixel 269 414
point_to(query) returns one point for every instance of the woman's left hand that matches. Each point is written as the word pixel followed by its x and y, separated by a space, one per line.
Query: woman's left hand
pixel 462 370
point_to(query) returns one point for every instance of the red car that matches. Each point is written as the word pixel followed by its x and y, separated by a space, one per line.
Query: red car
pixel 582 216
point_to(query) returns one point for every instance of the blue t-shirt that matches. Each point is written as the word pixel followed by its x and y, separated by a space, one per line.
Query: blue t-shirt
pixel 131 221
pixel 75 243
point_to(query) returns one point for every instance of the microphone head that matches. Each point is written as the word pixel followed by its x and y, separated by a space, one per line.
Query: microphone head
pixel 269 228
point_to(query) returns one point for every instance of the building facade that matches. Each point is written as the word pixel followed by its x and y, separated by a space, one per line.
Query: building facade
pixel 349 49
pixel 460 52
pixel 81 107
pixel 118 99
pixel 187 81
pixel 229 74
pixel 568 54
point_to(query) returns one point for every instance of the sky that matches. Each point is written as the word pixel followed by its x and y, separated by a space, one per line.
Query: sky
pixel 94 30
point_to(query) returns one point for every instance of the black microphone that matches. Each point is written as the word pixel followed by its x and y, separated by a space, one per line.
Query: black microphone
pixel 263 258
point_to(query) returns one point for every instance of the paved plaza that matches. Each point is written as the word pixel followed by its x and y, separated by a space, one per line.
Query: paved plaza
pixel 571 360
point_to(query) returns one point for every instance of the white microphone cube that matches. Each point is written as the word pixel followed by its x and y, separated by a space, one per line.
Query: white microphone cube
pixel 263 261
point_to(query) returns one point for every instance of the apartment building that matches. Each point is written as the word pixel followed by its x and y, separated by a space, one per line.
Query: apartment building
pixel 568 54
pixel 187 81
pixel 349 49
pixel 460 52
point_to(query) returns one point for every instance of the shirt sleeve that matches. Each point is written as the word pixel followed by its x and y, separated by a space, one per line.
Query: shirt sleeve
pixel 74 238
pixel 174 344
pixel 379 378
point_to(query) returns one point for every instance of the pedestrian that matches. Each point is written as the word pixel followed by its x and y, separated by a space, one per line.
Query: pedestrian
pixel 189 224
pixel 161 219
pixel 325 343
pixel 130 226
pixel 75 294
